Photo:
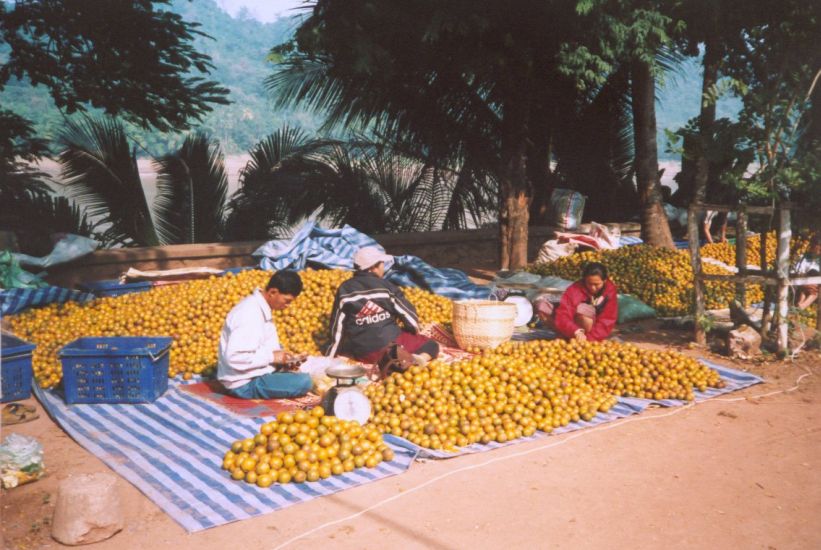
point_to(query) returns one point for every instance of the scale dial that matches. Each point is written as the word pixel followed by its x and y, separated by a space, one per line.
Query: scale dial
pixel 351 404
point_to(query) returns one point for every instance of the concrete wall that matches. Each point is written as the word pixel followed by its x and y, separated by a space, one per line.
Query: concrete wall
pixel 470 250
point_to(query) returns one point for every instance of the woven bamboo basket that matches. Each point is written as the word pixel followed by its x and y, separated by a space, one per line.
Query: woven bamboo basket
pixel 482 324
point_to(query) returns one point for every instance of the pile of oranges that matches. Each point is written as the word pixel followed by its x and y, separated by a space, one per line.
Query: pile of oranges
pixel 192 313
pixel 305 446
pixel 725 252
pixel 518 388
pixel 660 277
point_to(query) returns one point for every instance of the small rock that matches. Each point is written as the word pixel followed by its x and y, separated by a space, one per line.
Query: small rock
pixel 743 342
pixel 88 509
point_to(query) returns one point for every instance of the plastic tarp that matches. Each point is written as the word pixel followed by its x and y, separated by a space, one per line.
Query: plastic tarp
pixel 15 300
pixel 334 249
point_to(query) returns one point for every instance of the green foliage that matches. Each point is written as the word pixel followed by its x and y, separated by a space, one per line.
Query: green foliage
pixel 291 177
pixel 100 171
pixel 191 192
pixel 260 208
pixel 126 58
pixel 778 64
pixel 237 48
pixel 624 30
pixel 18 147
pixel 35 217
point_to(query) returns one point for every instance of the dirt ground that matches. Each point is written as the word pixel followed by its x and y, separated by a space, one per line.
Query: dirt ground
pixel 736 472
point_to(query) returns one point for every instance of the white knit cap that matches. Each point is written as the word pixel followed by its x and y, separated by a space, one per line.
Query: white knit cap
pixel 369 256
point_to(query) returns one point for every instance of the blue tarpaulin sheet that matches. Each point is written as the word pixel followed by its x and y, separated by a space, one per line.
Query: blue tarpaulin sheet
pixel 334 249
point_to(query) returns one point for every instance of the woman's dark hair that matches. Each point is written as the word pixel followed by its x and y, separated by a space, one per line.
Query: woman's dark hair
pixel 286 282
pixel 595 268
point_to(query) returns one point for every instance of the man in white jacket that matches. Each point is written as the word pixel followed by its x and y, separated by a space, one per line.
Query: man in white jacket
pixel 249 346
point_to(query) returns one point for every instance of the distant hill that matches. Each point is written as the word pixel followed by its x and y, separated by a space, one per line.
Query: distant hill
pixel 239 49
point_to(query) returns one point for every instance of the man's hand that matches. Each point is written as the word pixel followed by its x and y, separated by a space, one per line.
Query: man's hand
pixel 288 359
pixel 580 335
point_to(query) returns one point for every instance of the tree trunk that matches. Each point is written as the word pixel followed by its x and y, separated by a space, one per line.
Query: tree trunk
pixel 515 190
pixel 707 118
pixel 538 166
pixel 655 229
pixel 514 213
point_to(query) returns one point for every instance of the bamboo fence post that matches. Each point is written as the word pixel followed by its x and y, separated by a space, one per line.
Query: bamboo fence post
pixel 741 254
pixel 766 313
pixel 695 262
pixel 783 273
pixel 818 311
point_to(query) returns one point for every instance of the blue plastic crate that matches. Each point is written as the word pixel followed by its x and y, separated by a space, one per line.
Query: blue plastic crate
pixel 103 289
pixel 15 368
pixel 115 370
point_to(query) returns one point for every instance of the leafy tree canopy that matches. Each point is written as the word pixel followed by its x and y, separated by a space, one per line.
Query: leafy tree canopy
pixel 128 58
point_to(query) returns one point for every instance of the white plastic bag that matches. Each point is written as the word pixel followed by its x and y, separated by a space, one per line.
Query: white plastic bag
pixel 70 247
pixel 21 460
pixel 553 250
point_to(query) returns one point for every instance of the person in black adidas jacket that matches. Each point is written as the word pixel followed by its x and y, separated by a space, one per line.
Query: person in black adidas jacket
pixel 365 314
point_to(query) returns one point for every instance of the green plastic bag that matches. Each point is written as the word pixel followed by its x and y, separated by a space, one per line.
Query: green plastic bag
pixel 14 276
pixel 633 309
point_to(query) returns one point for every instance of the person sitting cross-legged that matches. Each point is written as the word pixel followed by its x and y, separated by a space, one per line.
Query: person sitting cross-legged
pixel 366 311
pixel 249 348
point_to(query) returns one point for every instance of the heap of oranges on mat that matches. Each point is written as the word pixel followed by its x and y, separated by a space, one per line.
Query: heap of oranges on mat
pixel 496 395
pixel 305 446
pixel 518 388
pixel 192 313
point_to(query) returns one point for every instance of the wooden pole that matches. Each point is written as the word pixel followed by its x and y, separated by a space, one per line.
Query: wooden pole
pixel 766 313
pixel 741 254
pixel 783 271
pixel 695 262
pixel 818 312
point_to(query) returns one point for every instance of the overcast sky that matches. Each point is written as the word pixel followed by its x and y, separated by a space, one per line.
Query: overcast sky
pixel 263 10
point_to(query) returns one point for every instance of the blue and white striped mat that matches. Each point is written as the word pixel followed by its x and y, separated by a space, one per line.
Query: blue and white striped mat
pixel 14 300
pixel 734 380
pixel 172 451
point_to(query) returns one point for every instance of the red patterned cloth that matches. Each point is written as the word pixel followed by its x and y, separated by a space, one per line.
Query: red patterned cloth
pixel 214 392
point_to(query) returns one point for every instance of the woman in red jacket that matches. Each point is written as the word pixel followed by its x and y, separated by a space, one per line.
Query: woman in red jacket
pixel 589 307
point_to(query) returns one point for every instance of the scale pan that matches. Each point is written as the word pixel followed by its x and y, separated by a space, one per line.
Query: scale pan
pixel 345 370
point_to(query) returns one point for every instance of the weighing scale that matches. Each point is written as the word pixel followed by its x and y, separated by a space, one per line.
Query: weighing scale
pixel 345 400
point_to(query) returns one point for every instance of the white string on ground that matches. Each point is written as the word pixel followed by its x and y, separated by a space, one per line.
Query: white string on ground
pixel 807 373
pixel 600 428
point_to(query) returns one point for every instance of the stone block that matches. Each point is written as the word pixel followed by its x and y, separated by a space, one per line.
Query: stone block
pixel 87 510
pixel 743 342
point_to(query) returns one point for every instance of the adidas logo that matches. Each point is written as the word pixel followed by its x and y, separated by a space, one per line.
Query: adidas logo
pixel 371 313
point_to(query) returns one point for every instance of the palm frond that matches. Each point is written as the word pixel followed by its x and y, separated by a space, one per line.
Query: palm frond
pixel 100 171
pixel 263 206
pixel 35 217
pixel 191 192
